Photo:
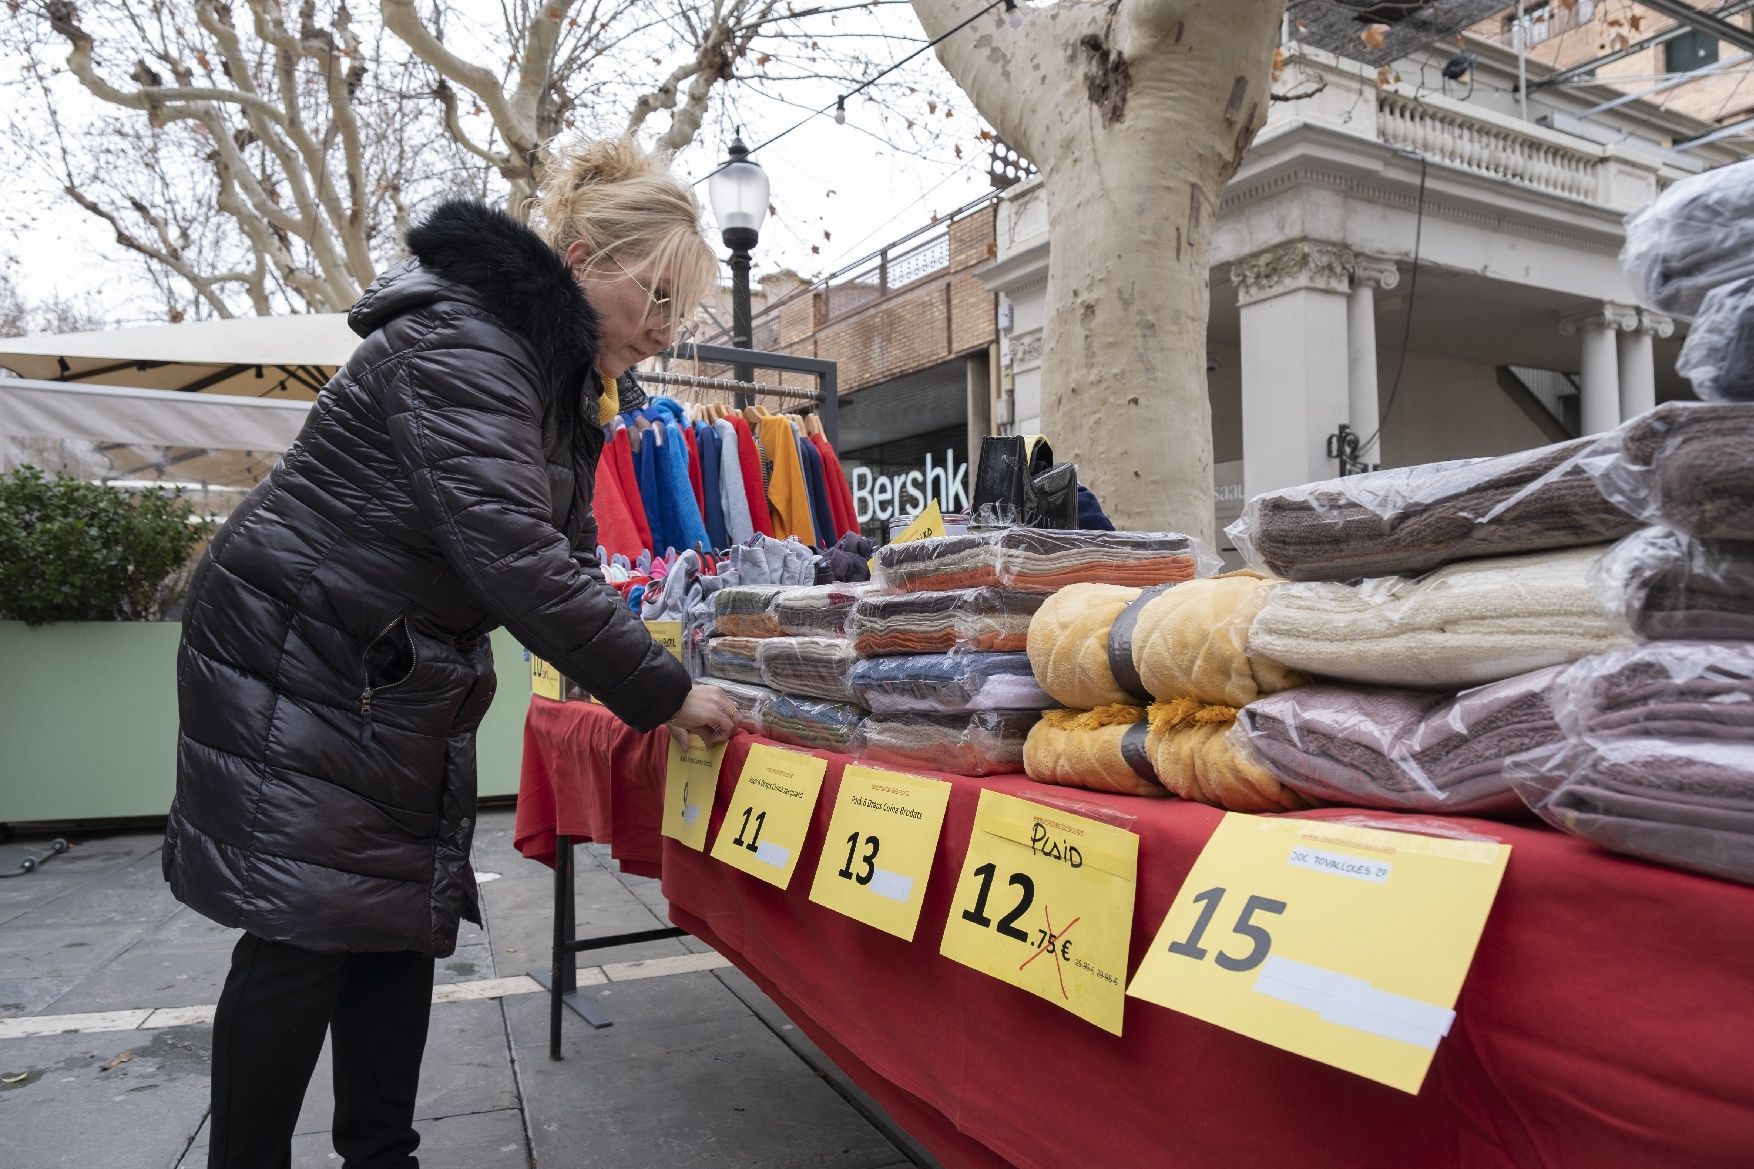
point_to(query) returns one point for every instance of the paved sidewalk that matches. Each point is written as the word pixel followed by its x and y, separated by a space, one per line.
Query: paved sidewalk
pixel 107 987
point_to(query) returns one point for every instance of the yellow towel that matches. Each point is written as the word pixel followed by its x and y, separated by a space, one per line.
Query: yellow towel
pixel 1068 645
pixel 788 496
pixel 1089 749
pixel 1194 759
pixel 1193 642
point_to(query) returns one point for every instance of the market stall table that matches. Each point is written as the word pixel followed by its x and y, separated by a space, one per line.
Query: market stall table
pixel 1606 1019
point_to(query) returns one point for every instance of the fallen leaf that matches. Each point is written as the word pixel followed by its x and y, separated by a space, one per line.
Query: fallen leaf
pixel 117 1061
pixel 1373 35
pixel 18 1079
pixel 1636 21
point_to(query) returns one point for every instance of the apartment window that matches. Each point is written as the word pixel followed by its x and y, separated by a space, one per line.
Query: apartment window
pixel 1693 49
pixel 1543 21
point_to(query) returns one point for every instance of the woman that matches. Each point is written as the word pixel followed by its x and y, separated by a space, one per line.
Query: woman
pixel 335 662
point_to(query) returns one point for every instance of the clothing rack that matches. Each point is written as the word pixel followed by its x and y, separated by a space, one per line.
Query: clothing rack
pixel 825 397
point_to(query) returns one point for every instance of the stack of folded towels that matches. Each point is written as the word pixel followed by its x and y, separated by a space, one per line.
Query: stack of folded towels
pixel 941 644
pixel 791 646
pixel 1606 686
pixel 1152 680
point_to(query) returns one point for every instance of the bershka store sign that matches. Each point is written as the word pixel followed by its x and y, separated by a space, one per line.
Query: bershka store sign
pixel 880 498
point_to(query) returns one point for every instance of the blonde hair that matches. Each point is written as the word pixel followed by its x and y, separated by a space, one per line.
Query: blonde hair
pixel 623 204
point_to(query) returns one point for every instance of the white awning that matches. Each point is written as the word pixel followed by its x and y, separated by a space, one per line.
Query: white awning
pixel 282 357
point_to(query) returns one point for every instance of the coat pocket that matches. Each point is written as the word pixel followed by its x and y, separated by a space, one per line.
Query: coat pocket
pixel 390 660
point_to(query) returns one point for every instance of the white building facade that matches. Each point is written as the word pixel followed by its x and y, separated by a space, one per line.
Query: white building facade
pixel 1523 330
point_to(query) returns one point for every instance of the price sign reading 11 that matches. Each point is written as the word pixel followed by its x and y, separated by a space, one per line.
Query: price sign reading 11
pixel 1346 945
pixel 770 813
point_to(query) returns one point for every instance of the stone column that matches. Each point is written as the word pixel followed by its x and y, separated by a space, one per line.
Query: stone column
pixel 1638 363
pixel 1293 306
pixel 1599 363
pixel 1368 274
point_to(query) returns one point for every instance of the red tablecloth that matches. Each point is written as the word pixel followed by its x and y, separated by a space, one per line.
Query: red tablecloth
pixel 1607 1021
pixel 589 776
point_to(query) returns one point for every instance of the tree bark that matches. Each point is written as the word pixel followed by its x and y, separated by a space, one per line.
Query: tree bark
pixel 1137 113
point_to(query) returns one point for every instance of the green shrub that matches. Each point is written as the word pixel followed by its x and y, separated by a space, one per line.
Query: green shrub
pixel 77 551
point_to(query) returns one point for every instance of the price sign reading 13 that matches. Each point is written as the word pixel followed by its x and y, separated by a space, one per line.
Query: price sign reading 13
pixel 889 822
pixel 1346 945
pixel 1045 903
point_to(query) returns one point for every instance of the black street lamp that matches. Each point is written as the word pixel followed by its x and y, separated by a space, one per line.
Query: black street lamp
pixel 739 192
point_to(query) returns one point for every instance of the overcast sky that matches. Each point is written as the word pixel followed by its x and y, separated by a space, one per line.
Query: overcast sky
pixel 838 191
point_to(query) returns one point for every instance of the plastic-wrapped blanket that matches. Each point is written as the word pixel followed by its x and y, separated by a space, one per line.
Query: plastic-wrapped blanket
pixel 1102 750
pixel 991 619
pixel 1404 750
pixel 947 683
pixel 733 659
pixel 1465 625
pixel 818 611
pixel 815 667
pixel 1412 519
pixel 1718 356
pixel 1684 466
pixel 1697 235
pixel 748 701
pixel 1656 757
pixel 810 722
pixel 747 611
pixel 1196 759
pixel 1098 645
pixel 986 742
pixel 1041 561
pixel 1672 587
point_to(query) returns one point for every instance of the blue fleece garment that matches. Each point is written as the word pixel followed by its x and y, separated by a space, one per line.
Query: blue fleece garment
pixel 683 527
pixel 666 410
pixel 707 441
pixel 645 469
pixel 816 486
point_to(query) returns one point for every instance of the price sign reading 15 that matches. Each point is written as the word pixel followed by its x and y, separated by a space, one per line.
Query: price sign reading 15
pixel 1346 945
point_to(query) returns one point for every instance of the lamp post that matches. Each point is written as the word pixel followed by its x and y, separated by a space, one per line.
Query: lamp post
pixel 738 191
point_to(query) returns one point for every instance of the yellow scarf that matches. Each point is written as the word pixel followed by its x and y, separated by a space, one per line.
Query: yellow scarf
pixel 609 405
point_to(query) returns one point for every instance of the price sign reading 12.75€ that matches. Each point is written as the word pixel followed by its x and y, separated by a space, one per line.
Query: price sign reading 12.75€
pixel 770 813
pixel 881 840
pixel 1045 903
pixel 1347 945
pixel 691 777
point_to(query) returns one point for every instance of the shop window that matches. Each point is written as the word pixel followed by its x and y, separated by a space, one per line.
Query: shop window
pixel 1691 51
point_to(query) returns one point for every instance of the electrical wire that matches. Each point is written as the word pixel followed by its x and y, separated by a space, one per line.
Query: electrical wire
pixel 1407 326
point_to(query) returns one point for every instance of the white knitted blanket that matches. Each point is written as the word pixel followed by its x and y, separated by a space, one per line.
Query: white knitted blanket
pixel 1466 624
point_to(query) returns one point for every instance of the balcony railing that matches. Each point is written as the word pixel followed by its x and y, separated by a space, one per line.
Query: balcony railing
pixel 1462 139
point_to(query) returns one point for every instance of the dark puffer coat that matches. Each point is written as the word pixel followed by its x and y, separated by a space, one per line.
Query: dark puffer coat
pixel 335 662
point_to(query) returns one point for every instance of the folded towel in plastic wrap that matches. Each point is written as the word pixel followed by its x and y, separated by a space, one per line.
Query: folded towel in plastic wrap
pixel 818 611
pixel 811 722
pixel 990 619
pixel 1670 586
pixel 1041 560
pixel 748 701
pixel 947 683
pixel 734 659
pixel 1412 519
pixel 815 667
pixel 1684 466
pixel 986 742
pixel 747 611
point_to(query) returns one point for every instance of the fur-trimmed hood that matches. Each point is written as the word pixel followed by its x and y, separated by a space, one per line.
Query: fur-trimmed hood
pixel 466 251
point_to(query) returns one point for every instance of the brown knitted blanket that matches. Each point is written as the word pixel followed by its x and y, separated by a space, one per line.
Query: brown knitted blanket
pixel 815 667
pixel 1657 755
pixel 1686 466
pixel 1411 519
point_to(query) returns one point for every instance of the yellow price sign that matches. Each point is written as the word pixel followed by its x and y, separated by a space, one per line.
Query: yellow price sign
pixel 1346 945
pixel 691 777
pixel 667 634
pixel 927 525
pixel 770 813
pixel 545 680
pixel 1045 903
pixel 889 824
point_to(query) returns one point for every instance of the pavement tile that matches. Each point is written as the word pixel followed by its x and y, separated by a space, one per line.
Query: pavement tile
pixel 467 964
pixel 153 974
pixel 69 1112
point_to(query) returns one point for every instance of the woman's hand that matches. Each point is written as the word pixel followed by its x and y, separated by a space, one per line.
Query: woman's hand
pixel 707 712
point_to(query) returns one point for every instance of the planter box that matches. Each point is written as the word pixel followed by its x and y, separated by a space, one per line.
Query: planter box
pixel 88 720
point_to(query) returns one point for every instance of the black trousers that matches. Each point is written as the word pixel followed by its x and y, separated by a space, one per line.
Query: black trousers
pixel 277 1004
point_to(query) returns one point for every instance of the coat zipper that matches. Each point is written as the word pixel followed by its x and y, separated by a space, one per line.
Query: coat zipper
pixel 367 729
